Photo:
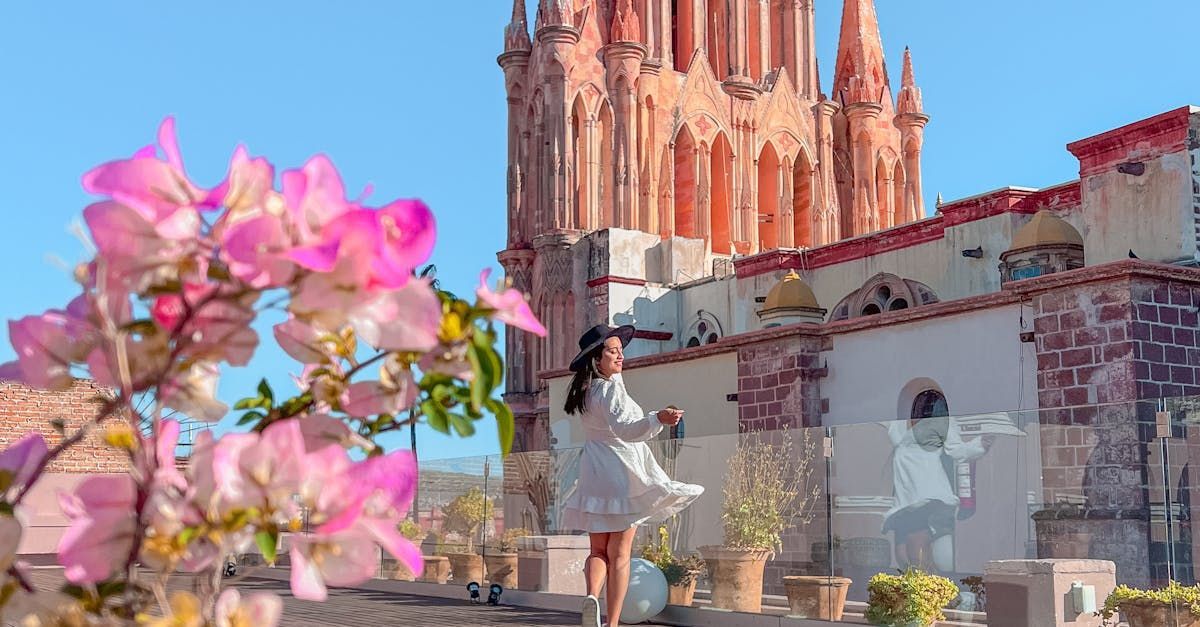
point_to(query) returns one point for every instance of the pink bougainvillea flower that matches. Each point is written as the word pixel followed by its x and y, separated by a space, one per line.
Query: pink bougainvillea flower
pixel 152 185
pixel 510 305
pixel 47 346
pixel 344 559
pixel 321 431
pixel 314 196
pixel 257 609
pixel 192 392
pixel 451 361
pixel 247 186
pixel 406 319
pixel 388 244
pixel 218 327
pixel 303 341
pixel 100 536
pixel 371 398
pixel 261 470
pixel 134 248
pixel 20 462
pixel 254 250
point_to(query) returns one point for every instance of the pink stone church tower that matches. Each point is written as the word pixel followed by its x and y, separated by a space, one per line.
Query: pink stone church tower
pixel 697 121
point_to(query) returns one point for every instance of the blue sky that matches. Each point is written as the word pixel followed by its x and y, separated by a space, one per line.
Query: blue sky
pixel 1007 84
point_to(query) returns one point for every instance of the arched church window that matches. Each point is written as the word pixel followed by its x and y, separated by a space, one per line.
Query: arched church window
pixel 883 292
pixel 930 404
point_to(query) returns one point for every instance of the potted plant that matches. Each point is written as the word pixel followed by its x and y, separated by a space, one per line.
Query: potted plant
pixel 1174 606
pixel 502 565
pixel 821 597
pixel 681 572
pixel 766 491
pixel 465 515
pixel 910 599
pixel 437 566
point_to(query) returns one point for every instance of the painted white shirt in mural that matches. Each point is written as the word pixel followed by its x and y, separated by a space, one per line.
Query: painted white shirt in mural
pixel 917 471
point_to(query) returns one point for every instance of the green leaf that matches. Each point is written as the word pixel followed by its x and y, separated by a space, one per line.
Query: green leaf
pixel 462 425
pixel 250 417
pixel 436 414
pixel 267 541
pixel 264 391
pixel 247 403
pixel 480 384
pixel 505 423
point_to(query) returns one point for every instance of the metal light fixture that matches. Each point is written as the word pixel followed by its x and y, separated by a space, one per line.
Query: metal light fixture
pixel 974 253
pixel 1132 168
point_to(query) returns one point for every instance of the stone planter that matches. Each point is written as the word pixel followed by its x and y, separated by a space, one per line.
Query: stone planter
pixel 466 567
pixel 502 569
pixel 817 597
pixel 682 595
pixel 437 569
pixel 737 577
pixel 1151 614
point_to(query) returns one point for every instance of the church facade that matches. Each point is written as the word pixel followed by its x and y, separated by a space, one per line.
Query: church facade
pixel 678 166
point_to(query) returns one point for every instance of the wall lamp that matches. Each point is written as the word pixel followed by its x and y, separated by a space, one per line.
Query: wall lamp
pixel 974 253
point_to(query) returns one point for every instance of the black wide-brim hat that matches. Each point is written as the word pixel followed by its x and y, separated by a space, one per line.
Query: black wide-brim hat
pixel 595 337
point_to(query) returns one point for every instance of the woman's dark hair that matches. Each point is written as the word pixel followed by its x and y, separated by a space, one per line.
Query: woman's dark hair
pixel 577 392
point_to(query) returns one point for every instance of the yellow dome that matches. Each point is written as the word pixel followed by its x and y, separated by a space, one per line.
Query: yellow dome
pixel 791 293
pixel 1045 229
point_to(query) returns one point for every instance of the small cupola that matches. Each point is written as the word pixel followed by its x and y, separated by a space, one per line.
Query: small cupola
pixel 791 300
pixel 1044 245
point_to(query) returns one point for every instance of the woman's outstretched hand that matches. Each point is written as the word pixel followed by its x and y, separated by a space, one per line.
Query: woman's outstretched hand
pixel 670 416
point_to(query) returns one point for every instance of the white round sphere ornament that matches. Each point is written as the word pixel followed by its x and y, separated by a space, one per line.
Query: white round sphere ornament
pixel 647 595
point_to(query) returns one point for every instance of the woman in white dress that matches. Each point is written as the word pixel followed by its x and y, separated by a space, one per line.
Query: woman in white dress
pixel 620 484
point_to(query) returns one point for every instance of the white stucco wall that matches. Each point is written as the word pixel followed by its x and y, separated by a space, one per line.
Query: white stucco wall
pixel 1151 214
pixel 975 358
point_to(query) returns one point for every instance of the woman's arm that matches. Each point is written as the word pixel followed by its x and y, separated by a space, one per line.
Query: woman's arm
pixel 626 419
pixel 959 449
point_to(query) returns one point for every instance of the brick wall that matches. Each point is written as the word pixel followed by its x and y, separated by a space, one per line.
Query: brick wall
pixel 24 410
pixel 779 383
pixel 1107 352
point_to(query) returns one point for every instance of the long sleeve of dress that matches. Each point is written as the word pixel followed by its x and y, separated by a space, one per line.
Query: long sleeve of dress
pixel 626 419
pixel 958 449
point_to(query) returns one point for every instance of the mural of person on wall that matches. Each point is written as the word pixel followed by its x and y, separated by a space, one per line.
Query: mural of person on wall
pixel 929 454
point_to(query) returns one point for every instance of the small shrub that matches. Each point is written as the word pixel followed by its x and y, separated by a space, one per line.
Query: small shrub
pixel 1174 594
pixel 912 596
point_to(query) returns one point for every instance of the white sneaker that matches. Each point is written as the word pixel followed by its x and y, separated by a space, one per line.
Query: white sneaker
pixel 591 612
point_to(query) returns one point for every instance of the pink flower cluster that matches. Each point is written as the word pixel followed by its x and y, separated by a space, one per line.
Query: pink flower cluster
pixel 268 481
pixel 169 299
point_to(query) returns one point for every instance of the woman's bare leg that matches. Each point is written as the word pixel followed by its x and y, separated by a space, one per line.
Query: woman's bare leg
pixel 620 550
pixel 595 569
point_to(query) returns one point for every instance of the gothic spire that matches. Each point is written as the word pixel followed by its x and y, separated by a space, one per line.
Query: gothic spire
pixel 625 25
pixel 516 34
pixel 860 75
pixel 909 99
pixel 554 13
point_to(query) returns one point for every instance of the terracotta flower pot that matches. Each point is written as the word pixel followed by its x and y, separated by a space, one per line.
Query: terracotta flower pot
pixel 1151 614
pixel 466 567
pixel 737 577
pixel 437 569
pixel 502 569
pixel 817 597
pixel 682 594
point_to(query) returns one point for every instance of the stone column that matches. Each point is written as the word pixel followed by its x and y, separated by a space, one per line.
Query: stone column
pixel 826 209
pixel 861 118
pixel 912 140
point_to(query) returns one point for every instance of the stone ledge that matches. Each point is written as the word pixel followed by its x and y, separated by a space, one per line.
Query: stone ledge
pixel 1048 566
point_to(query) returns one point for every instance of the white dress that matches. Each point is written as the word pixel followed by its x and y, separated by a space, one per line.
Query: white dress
pixel 620 484
pixel 917 470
